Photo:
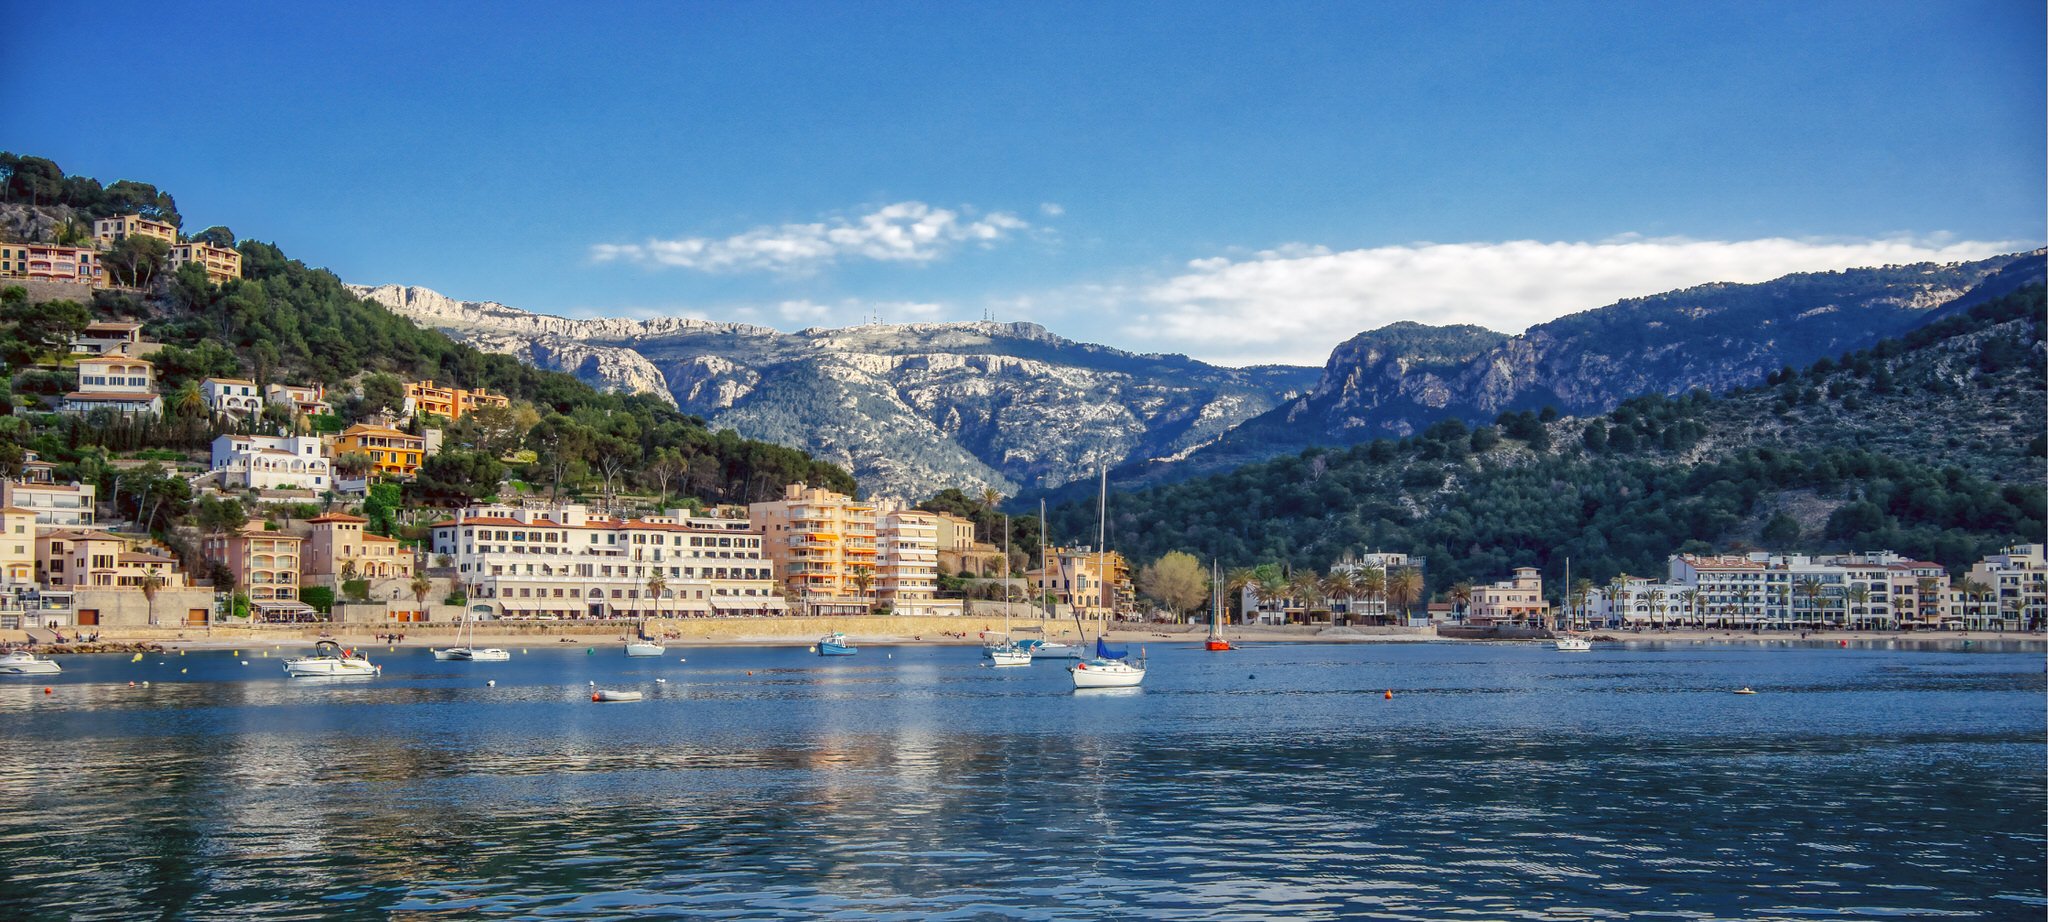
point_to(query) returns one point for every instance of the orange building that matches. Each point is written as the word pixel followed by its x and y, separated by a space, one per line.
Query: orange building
pixel 394 452
pixel 108 231
pixel 265 563
pixel 340 544
pixel 52 263
pixel 824 545
pixel 448 402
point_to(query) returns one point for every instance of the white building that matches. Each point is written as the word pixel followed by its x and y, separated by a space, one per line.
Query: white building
pixel 907 565
pixel 1868 590
pixel 304 399
pixel 566 563
pixel 2014 593
pixel 264 462
pixel 231 396
pixel 67 505
pixel 1362 606
pixel 115 381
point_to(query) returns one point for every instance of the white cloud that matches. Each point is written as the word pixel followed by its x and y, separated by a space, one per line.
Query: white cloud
pixel 1052 209
pixel 903 232
pixel 1294 303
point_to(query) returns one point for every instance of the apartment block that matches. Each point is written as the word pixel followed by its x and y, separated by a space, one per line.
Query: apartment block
pixel 108 231
pixel 449 402
pixel 1363 607
pixel 566 563
pixel 115 381
pixel 823 543
pixel 390 450
pixel 1765 591
pixel 77 559
pixel 45 262
pixel 55 505
pixel 265 565
pixel 1516 602
pixel 18 531
pixel 341 548
pixel 2013 594
pixel 907 567
pixel 221 263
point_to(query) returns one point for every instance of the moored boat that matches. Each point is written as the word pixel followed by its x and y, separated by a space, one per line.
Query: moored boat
pixel 836 644
pixel 607 694
pixel 1109 668
pixel 329 659
pixel 25 663
pixel 645 648
pixel 1573 643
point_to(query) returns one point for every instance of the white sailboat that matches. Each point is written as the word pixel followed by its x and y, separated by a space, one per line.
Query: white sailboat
pixel 1569 642
pixel 1110 667
pixel 465 652
pixel 1002 649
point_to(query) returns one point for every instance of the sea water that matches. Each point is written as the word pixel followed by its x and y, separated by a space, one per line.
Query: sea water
pixel 1499 781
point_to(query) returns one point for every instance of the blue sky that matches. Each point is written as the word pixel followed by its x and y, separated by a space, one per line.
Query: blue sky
pixel 1239 182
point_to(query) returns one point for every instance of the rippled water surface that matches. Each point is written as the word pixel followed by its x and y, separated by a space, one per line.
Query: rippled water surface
pixel 1501 781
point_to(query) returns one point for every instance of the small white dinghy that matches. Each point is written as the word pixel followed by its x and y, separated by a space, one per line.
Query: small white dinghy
pixel 608 694
pixel 1573 643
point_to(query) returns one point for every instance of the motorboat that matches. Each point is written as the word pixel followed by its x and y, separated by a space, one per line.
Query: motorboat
pixel 608 694
pixel 330 659
pixel 1745 690
pixel 836 644
pixel 1109 668
pixel 1572 643
pixel 25 663
pixel 645 648
pixel 1050 649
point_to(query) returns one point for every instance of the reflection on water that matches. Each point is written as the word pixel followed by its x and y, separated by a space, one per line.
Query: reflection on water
pixel 1500 782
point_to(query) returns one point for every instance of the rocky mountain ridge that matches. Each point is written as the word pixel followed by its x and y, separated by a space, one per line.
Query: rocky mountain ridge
pixel 910 408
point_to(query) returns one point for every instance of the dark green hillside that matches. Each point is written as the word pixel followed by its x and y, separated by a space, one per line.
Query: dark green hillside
pixel 1930 444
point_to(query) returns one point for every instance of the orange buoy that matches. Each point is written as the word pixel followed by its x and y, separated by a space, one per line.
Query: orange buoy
pixel 46 689
pixel 1845 643
pixel 1390 694
pixel 594 697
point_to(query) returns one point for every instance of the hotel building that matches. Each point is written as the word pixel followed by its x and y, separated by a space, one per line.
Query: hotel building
pixel 391 451
pixel 1516 602
pixel 340 544
pixel 42 262
pixel 265 462
pixel 566 563
pixel 907 567
pixel 2016 580
pixel 1869 590
pixel 448 402
pixel 265 564
pixel 823 543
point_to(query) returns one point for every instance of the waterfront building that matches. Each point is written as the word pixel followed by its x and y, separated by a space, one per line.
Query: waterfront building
pixel 2010 591
pixel 1080 578
pixel 266 462
pixel 222 264
pixel 959 552
pixel 340 545
pixel 115 381
pixel 265 565
pixel 390 450
pixel 49 263
pixel 1362 607
pixel 108 231
pixel 103 336
pixel 1761 590
pixel 80 559
pixel 823 544
pixel 565 562
pixel 448 402
pixel 907 563
pixel 1516 602
pixel 306 400
pixel 18 531
pixel 65 505
pixel 231 396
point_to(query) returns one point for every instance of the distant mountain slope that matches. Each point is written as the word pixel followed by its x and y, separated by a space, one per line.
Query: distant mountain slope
pixel 1931 444
pixel 1397 380
pixel 910 408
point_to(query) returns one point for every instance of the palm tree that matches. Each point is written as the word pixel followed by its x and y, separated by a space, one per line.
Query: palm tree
pixel 1234 583
pixel 1306 589
pixel 1859 598
pixel 1809 588
pixel 1977 593
pixel 1927 595
pixel 1742 597
pixel 1404 587
pixel 656 585
pixel 989 497
pixel 1581 592
pixel 149 587
pixel 1615 588
pixel 1372 584
pixel 1272 588
pixel 1338 585
pixel 1692 598
pixel 421 587
pixel 864 581
pixel 1461 596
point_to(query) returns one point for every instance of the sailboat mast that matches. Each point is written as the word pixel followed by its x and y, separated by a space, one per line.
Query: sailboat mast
pixel 1102 541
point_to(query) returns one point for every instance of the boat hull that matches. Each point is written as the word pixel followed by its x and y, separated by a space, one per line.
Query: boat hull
pixel 1218 644
pixel 610 695
pixel 299 669
pixel 1098 675
pixel 473 655
pixel 32 669
pixel 1010 657
pixel 833 649
pixel 645 649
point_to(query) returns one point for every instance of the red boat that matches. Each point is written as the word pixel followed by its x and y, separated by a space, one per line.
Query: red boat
pixel 1216 641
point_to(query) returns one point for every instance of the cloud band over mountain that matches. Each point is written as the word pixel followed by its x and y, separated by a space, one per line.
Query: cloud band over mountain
pixel 904 232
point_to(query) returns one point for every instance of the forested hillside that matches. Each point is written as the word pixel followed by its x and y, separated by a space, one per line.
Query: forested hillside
pixel 1931 444
pixel 288 322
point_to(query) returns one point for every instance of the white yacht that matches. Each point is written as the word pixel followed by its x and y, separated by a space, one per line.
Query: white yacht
pixel 1009 655
pixel 1108 669
pixel 645 648
pixel 465 652
pixel 1052 649
pixel 26 663
pixel 1573 643
pixel 329 659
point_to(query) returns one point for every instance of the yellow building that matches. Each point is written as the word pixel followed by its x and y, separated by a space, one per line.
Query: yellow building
pixel 340 545
pixel 108 231
pixel 449 402
pixel 96 559
pixel 1074 577
pixel 823 543
pixel 221 263
pixel 17 546
pixel 393 452
pixel 1517 602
